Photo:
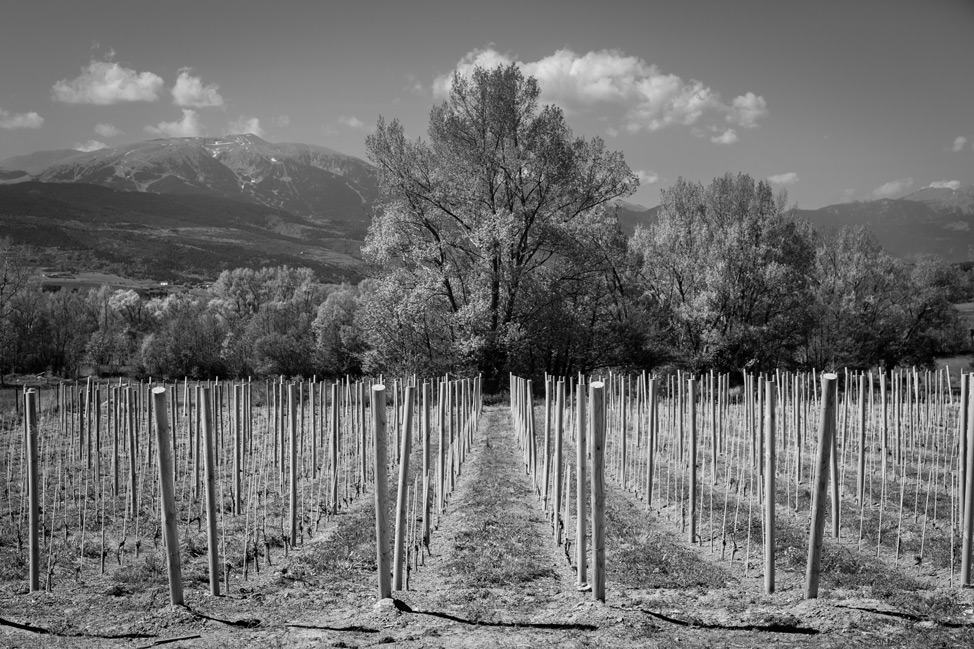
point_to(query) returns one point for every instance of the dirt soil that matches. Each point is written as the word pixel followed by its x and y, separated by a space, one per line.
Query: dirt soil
pixel 493 577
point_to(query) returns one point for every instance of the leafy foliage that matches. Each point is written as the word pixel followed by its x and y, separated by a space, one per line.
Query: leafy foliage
pixel 728 268
pixel 472 221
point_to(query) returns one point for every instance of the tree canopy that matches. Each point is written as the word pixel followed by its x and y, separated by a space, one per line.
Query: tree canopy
pixel 472 219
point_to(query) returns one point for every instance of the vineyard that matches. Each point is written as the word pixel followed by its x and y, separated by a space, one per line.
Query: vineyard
pixel 617 510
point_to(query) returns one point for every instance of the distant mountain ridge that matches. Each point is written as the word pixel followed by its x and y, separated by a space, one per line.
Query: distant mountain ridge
pixel 205 204
pixel 173 237
pixel 326 186
pixel 931 220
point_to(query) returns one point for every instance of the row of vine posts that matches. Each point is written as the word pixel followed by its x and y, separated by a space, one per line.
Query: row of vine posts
pixel 881 459
pixel 260 465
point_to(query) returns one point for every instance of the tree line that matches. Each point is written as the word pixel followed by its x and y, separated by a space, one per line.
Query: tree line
pixel 495 248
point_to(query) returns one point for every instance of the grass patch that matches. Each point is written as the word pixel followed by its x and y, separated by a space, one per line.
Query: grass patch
pixel 349 550
pixel 502 539
pixel 640 555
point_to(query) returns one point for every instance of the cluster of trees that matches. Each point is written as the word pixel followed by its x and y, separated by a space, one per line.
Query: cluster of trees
pixel 249 322
pixel 495 248
pixel 739 283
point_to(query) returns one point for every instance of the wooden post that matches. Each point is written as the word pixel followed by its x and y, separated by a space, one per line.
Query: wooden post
pixel 441 447
pixel 559 475
pixel 826 432
pixel 597 399
pixel 381 490
pixel 168 498
pixel 292 425
pixel 363 461
pixel 652 431
pixel 238 450
pixel 133 450
pixel 427 477
pixel 334 447
pixel 405 443
pixel 964 416
pixel 968 529
pixel 692 402
pixel 861 470
pixel 30 421
pixel 581 451
pixel 209 476
pixel 623 401
pixel 769 486
pixel 836 477
pixel 547 445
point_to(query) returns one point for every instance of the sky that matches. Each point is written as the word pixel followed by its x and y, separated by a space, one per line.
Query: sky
pixel 832 100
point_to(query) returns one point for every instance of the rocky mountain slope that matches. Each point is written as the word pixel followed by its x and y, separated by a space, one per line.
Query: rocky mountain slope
pixel 329 188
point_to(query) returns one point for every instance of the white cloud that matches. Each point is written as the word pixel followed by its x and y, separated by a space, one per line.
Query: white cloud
pixel 485 58
pixel 107 130
pixel 243 125
pixel 106 82
pixel 90 145
pixel 353 122
pixel 789 178
pixel 612 132
pixel 647 177
pixel 945 184
pixel 281 121
pixel 747 110
pixel 893 187
pixel 727 137
pixel 650 100
pixel 190 92
pixel 20 120
pixel 959 143
pixel 189 126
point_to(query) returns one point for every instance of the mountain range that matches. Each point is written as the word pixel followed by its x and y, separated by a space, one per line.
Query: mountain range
pixel 933 220
pixel 171 208
pixel 200 203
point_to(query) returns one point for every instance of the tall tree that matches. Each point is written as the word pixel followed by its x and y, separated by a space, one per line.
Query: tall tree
pixel 729 267
pixel 16 271
pixel 469 218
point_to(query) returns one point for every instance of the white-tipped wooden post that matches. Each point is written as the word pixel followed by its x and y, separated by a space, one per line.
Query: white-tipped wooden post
pixel 382 558
pixel 597 399
pixel 826 433
pixel 769 485
pixel 30 421
pixel 168 497
pixel 405 437
pixel 209 478
pixel 581 516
